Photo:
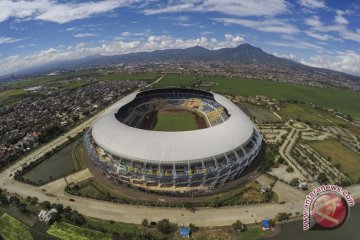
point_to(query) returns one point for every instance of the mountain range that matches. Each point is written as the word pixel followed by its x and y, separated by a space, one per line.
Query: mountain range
pixel 245 59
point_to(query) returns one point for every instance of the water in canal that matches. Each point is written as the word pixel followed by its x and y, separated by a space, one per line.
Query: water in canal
pixel 57 165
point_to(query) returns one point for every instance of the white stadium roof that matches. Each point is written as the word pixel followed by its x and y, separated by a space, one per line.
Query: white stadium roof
pixel 166 147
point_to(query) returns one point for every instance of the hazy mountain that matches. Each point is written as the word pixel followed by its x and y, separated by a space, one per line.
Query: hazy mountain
pixel 245 56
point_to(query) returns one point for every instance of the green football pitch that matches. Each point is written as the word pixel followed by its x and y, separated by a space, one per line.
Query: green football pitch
pixel 175 122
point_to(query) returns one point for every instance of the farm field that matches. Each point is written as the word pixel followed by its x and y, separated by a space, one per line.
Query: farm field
pixel 11 96
pixel 176 81
pixel 122 76
pixel 349 160
pixel 67 231
pixel 175 122
pixel 345 101
pixel 76 85
pixel 261 114
pixel 12 229
pixel 116 227
pixel 306 114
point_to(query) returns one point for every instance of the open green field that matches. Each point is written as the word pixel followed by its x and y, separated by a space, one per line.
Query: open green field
pixel 67 231
pixel 176 81
pixel 261 114
pixel 11 96
pixel 34 81
pixel 345 101
pixel 114 227
pixel 307 114
pixel 76 85
pixel 180 122
pixel 79 156
pixel 123 76
pixel 349 160
pixel 12 229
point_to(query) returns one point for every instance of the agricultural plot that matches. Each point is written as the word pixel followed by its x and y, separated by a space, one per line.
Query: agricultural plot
pixel 176 81
pixel 12 229
pixel 66 231
pixel 136 77
pixel 306 114
pixel 261 114
pixel 339 154
pixel 345 101
pixel 11 96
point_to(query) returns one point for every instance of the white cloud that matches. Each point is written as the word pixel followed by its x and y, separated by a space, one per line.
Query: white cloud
pixel 26 45
pixel 313 4
pixel 340 19
pixel 233 7
pixel 8 40
pixel 70 29
pixel 348 61
pixel 84 35
pixel 16 62
pixel 319 36
pixel 59 12
pixel 313 21
pixel 266 25
pixel 289 56
pixel 297 44
pixel 340 27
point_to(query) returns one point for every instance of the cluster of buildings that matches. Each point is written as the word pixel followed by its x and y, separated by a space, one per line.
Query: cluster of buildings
pixel 51 110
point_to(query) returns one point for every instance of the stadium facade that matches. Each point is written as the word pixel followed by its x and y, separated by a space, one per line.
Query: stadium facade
pixel 180 162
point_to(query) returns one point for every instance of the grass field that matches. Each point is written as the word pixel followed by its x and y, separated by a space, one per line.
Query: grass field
pixel 123 76
pixel 11 96
pixel 76 85
pixel 79 156
pixel 345 101
pixel 66 231
pixel 170 122
pixel 115 227
pixel 12 229
pixel 176 81
pixel 261 114
pixel 349 160
pixel 306 114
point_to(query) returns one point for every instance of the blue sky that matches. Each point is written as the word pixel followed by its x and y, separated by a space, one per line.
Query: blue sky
pixel 314 32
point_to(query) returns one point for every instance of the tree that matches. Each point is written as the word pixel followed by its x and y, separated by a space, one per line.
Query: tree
pixel 165 226
pixel 282 216
pixel 55 216
pixel 268 195
pixel 294 182
pixel 193 228
pixel 189 206
pixel 145 222
pixel 322 178
pixel 289 169
pixel 75 218
pixel 239 226
pixel 337 165
pixel 281 160
pixel 58 206
pixel 45 204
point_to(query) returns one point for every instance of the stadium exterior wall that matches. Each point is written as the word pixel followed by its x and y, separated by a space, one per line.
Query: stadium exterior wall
pixel 178 175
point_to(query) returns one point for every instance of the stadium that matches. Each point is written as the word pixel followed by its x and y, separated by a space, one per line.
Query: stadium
pixel 173 140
